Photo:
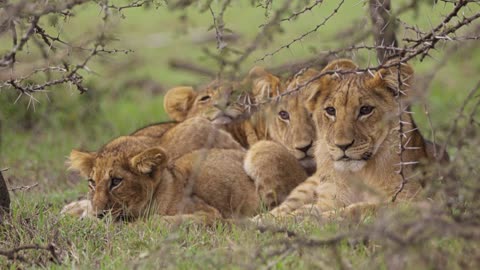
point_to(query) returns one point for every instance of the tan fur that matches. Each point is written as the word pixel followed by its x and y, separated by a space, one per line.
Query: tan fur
pixel 175 138
pixel 276 171
pixel 296 133
pixel 192 134
pixel 204 160
pixel 81 209
pixel 211 103
pixel 366 173
pixel 210 182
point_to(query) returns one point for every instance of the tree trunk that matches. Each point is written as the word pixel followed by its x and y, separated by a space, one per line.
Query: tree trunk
pixel 383 26
pixel 4 198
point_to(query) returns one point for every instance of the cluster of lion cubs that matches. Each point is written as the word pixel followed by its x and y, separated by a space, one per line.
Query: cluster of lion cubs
pixel 198 168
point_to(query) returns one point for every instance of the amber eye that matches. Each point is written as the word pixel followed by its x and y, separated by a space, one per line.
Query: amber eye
pixel 91 183
pixel 330 111
pixel 115 182
pixel 205 98
pixel 284 115
pixel 364 110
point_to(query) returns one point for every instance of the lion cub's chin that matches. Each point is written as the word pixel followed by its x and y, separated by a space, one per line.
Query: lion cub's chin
pixel 349 166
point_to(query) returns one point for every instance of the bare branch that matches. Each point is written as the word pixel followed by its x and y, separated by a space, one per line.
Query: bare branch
pixel 13 254
pixel 301 37
pixel 188 66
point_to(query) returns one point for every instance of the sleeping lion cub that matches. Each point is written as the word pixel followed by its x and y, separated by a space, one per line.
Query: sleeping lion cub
pixel 357 149
pixel 132 176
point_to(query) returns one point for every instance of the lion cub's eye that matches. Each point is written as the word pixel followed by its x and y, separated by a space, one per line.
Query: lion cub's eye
pixel 364 110
pixel 91 183
pixel 205 98
pixel 284 115
pixel 330 111
pixel 115 182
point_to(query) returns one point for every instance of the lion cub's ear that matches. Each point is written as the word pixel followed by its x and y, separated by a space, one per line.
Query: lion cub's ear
pixel 147 160
pixel 178 101
pixel 264 84
pixel 397 77
pixel 340 64
pixel 82 162
pixel 302 82
pixel 325 80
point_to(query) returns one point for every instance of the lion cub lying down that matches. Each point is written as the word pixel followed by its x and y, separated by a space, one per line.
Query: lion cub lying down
pixel 133 176
pixel 192 171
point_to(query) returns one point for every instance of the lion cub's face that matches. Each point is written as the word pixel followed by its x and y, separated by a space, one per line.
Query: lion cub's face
pixel 121 176
pixel 222 101
pixel 216 102
pixel 291 124
pixel 355 113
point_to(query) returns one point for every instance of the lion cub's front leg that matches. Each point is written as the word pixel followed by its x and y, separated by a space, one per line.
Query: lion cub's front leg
pixel 314 196
pixel 194 210
pixel 80 209
pixel 275 171
pixel 356 211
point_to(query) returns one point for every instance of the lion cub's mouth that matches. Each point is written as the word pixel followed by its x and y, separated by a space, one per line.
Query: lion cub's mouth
pixel 309 164
pixel 222 120
pixel 224 117
pixel 365 156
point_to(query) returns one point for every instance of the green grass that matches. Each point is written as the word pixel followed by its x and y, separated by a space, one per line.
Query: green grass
pixel 34 143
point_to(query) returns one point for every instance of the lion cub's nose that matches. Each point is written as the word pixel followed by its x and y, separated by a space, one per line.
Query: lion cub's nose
pixel 305 148
pixel 345 146
pixel 101 213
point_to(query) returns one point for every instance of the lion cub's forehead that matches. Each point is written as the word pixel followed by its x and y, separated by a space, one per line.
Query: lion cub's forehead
pixel 350 91
pixel 115 156
pixel 107 166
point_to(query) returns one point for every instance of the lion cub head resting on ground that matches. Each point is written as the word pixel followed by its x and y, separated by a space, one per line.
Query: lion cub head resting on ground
pixel 120 174
pixel 132 177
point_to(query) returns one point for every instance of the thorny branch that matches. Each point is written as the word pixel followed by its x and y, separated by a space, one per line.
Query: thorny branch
pixel 266 32
pixel 401 132
pixel 295 15
pixel 460 114
pixel 395 232
pixel 24 188
pixel 219 25
pixel 383 27
pixel 26 79
pixel 301 37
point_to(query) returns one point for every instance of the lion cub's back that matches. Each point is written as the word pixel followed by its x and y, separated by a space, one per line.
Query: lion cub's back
pixel 221 181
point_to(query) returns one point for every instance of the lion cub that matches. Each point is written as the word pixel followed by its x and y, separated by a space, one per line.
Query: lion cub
pixel 133 176
pixel 199 165
pixel 285 121
pixel 357 156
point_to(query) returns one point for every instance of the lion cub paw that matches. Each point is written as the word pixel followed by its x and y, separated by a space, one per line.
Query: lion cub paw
pixel 81 209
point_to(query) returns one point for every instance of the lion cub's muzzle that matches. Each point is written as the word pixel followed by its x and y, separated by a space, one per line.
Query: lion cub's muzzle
pixel 304 151
pixel 350 152
pixel 350 157
pixel 116 215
